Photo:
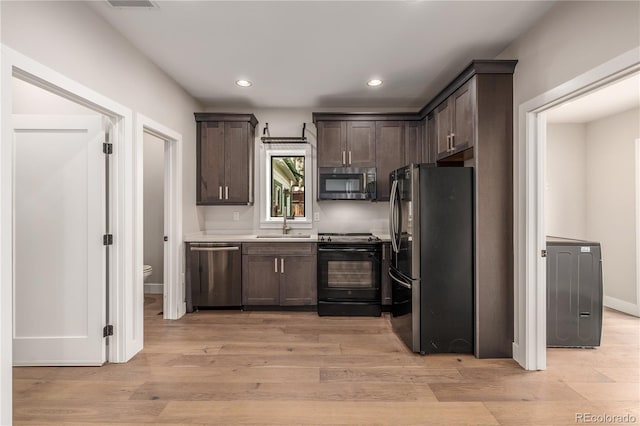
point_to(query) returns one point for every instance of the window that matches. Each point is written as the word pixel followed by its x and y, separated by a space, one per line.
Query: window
pixel 287 188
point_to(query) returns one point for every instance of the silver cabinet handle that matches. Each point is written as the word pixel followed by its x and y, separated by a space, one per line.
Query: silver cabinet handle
pixel 220 192
pixel 275 264
pixel 226 192
pixel 196 248
pixel 448 143
pixel 282 265
pixel 344 158
pixel 453 144
pixel 349 157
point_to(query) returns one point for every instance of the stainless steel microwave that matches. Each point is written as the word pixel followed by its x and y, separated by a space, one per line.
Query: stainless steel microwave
pixel 346 183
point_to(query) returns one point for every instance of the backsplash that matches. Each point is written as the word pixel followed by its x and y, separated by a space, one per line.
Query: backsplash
pixel 335 216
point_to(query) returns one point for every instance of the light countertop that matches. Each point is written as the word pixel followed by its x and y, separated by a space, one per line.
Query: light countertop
pixel 216 236
pixel 258 236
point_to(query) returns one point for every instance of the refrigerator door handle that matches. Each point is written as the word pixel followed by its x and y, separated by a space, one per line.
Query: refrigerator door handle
pixel 392 222
pixel 399 281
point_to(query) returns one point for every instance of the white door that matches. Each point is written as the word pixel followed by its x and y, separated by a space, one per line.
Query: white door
pixel 59 288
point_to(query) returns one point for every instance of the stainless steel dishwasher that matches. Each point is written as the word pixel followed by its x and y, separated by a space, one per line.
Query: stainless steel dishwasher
pixel 215 275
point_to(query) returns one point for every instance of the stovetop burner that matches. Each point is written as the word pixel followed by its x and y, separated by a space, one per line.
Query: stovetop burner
pixel 347 237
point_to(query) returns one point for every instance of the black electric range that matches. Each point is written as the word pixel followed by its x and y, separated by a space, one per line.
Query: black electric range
pixel 349 274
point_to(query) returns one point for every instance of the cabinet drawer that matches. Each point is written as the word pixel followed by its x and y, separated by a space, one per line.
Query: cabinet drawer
pixel 279 249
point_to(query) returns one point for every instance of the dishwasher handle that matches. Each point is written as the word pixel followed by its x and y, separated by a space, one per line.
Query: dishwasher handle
pixel 196 248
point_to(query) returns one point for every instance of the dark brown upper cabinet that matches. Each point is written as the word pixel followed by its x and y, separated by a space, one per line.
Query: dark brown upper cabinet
pixel 413 142
pixel 390 153
pixel 224 156
pixel 455 122
pixel 429 147
pixel 346 144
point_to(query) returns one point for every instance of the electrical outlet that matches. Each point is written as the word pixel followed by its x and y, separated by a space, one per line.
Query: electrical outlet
pixel 236 216
pixel 316 216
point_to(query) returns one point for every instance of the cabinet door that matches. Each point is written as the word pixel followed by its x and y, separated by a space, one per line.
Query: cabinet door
pixel 442 117
pixel 429 154
pixel 464 112
pixel 332 137
pixel 236 188
pixel 361 148
pixel 298 281
pixel 385 281
pixel 211 157
pixel 413 142
pixel 390 150
pixel 260 280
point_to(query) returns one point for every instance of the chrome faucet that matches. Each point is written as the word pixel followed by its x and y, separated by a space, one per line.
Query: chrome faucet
pixel 285 228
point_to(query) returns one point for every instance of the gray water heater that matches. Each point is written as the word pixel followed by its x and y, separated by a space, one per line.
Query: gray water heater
pixel 574 293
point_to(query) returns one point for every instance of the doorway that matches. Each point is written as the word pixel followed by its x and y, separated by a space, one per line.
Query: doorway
pixel 530 264
pixel 590 195
pixel 154 217
pixel 165 165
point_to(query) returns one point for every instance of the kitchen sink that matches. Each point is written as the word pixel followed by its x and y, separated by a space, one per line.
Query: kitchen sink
pixel 285 236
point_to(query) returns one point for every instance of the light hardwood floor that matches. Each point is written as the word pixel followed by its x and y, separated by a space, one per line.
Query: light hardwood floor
pixel 222 367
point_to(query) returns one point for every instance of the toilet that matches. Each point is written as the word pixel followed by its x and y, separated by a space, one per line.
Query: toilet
pixel 147 270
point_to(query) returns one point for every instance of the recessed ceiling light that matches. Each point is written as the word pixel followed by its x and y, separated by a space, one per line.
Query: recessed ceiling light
pixel 374 83
pixel 243 83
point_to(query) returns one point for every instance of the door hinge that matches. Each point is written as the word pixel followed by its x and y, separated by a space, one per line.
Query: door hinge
pixel 107 331
pixel 543 253
pixel 107 148
pixel 107 239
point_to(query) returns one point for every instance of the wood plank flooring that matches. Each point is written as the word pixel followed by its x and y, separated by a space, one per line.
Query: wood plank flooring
pixel 224 367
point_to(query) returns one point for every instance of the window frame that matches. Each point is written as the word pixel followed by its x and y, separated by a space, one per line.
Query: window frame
pixel 269 151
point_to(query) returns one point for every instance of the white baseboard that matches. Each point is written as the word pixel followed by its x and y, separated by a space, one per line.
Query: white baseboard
pixel 622 306
pixel 154 288
pixel 517 355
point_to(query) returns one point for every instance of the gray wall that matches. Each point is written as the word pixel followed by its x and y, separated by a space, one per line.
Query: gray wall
pixel 591 194
pixel 572 38
pixel 153 187
pixel 72 39
pixel 611 200
pixel 566 181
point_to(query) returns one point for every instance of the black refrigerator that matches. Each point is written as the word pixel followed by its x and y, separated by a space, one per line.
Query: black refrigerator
pixel 432 268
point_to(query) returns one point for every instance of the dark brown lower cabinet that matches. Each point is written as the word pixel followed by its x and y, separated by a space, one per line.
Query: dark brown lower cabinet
pixel 260 281
pixel 280 274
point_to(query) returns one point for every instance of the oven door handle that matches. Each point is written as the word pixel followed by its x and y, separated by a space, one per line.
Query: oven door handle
pixel 399 281
pixel 348 250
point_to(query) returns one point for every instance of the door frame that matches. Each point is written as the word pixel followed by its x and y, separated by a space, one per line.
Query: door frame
pixel 174 305
pixel 530 334
pixel 122 345
pixel 637 143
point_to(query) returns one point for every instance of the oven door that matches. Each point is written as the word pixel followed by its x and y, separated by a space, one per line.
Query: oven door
pixel 349 273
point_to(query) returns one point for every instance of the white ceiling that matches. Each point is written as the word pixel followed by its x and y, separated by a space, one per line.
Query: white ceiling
pixel 617 97
pixel 320 54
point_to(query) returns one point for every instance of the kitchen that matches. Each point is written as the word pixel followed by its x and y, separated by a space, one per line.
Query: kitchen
pixel 204 218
